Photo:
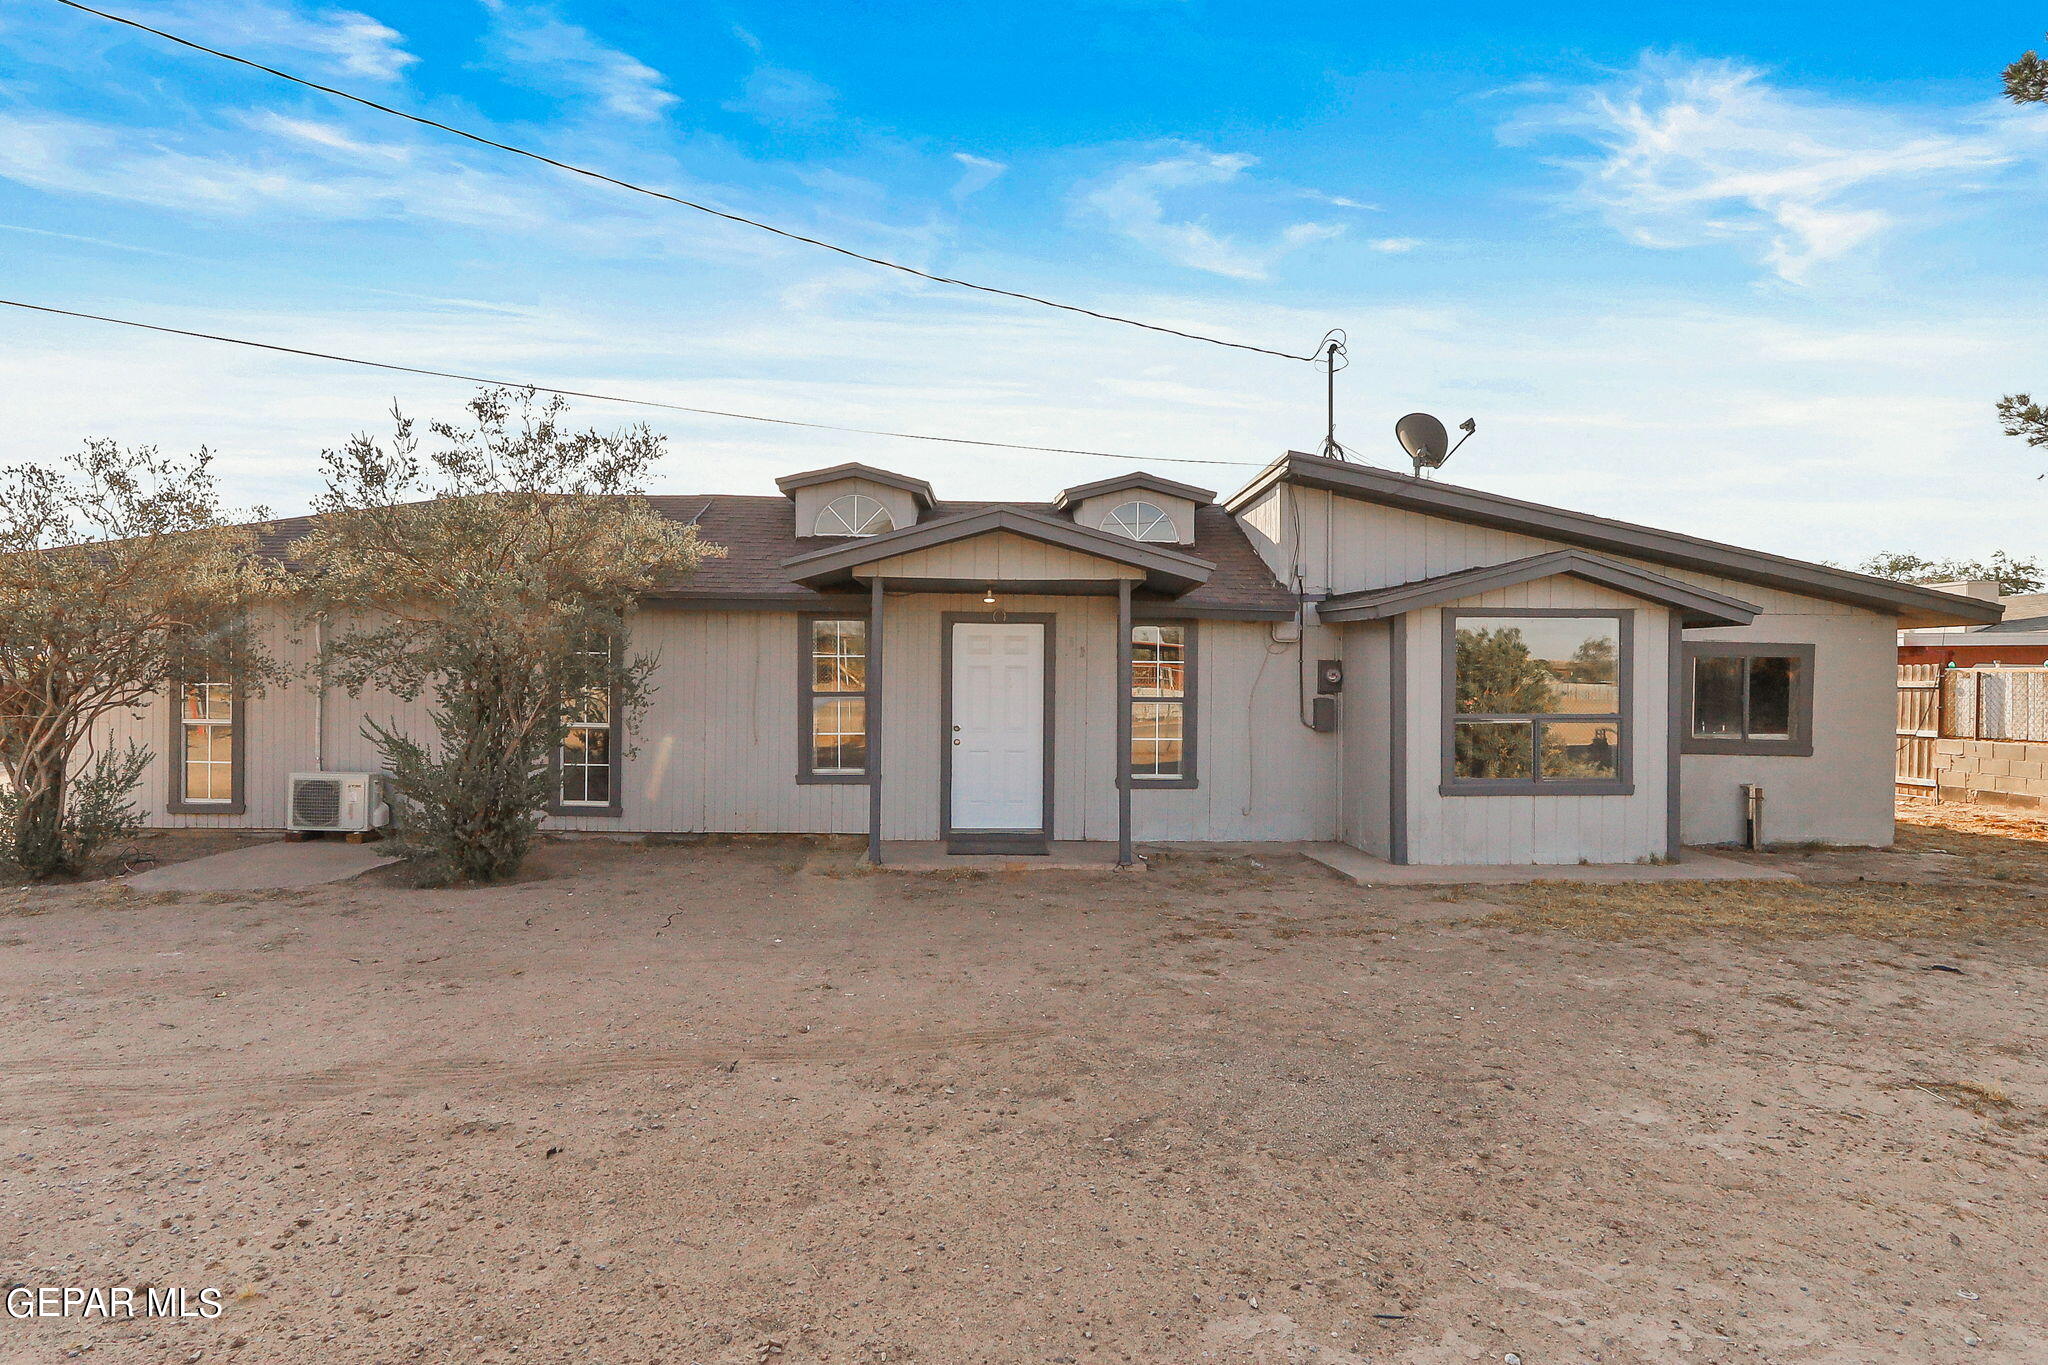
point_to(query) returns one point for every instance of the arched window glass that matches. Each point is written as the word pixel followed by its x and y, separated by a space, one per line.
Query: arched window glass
pixel 1141 521
pixel 853 514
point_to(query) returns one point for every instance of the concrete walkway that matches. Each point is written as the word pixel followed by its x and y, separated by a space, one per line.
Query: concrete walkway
pixel 1367 870
pixel 276 866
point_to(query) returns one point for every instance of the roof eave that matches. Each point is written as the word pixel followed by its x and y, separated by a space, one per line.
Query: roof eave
pixel 1165 570
pixel 1697 608
pixel 1911 603
pixel 1201 497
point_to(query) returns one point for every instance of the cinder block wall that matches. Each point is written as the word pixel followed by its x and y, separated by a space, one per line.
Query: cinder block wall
pixel 1995 771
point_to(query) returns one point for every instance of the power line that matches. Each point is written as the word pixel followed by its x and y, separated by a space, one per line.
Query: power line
pixel 612 397
pixel 421 119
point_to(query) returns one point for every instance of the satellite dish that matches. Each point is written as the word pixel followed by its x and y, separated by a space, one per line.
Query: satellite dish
pixel 1426 441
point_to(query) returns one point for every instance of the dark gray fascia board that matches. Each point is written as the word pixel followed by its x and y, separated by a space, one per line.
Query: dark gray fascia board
pixel 1914 605
pixel 1163 567
pixel 789 483
pixel 1137 478
pixel 1697 607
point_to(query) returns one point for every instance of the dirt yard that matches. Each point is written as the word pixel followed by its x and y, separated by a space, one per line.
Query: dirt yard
pixel 738 1105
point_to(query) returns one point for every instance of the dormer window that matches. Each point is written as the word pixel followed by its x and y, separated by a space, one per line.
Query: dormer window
pixel 853 514
pixel 1141 521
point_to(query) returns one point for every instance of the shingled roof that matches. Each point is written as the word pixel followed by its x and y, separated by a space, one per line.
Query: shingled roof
pixel 759 536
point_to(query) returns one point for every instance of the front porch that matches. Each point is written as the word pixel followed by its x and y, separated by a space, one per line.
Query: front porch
pixel 1004 674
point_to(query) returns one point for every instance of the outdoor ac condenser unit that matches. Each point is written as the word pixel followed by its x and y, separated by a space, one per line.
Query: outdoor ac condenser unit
pixel 348 803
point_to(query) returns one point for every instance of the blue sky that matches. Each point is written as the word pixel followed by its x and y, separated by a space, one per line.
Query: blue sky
pixel 1746 271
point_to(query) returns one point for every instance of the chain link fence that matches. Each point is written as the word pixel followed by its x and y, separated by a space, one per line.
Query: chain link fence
pixel 1995 703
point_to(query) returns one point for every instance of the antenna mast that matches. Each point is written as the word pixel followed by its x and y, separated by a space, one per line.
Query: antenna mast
pixel 1336 356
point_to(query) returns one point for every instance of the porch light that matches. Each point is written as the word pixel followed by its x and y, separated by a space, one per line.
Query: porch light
pixel 988 595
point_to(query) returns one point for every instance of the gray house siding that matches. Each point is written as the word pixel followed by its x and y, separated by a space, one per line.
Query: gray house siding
pixel 716 750
pixel 1842 794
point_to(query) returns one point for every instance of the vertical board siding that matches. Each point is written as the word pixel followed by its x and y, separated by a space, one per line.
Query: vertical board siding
pixel 1365 730
pixel 1489 830
pixel 1003 556
pixel 716 749
pixel 1841 794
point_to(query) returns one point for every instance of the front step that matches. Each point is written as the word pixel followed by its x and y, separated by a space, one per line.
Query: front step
pixel 999 845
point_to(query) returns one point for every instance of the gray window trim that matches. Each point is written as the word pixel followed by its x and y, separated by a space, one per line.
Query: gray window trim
pixel 607 810
pixel 806 774
pixel 238 748
pixel 1449 784
pixel 1190 778
pixel 1800 745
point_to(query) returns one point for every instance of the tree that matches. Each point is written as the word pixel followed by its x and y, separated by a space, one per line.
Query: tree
pixel 2026 80
pixel 497 575
pixel 2012 575
pixel 1497 674
pixel 120 578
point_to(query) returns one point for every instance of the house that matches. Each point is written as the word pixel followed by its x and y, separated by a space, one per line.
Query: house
pixel 2020 638
pixel 1431 673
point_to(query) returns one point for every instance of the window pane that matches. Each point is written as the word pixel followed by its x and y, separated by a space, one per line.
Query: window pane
pixel 1156 739
pixel 839 656
pixel 1497 749
pixel 209 701
pixel 1717 696
pixel 1159 661
pixel 1537 665
pixel 839 741
pixel 1581 751
pixel 1772 680
pixel 593 707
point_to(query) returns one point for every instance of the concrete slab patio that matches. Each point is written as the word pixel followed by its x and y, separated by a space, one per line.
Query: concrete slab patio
pixel 278 866
pixel 1696 866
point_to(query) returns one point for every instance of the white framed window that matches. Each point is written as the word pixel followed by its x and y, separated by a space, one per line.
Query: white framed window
pixel 833 694
pixel 1141 521
pixel 586 766
pixel 1162 702
pixel 853 514
pixel 206 744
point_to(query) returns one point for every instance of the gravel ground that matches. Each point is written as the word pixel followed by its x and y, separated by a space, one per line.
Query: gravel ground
pixel 736 1103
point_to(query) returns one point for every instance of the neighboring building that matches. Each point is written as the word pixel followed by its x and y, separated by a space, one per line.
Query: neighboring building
pixel 1336 652
pixel 2020 638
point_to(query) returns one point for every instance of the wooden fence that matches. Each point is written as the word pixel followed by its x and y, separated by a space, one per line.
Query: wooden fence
pixel 1919 727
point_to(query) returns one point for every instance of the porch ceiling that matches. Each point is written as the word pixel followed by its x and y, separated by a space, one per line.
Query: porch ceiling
pixel 1068 569
pixel 1696 607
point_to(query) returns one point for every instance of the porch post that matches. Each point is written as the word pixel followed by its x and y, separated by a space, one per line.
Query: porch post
pixel 1124 856
pixel 875 702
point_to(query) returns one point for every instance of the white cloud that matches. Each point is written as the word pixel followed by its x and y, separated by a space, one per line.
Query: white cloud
pixel 778 96
pixel 1394 246
pixel 977 174
pixel 1133 201
pixel 346 42
pixel 1689 153
pixel 536 47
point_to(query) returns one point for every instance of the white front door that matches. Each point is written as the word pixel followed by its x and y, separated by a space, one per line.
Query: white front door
pixel 998 732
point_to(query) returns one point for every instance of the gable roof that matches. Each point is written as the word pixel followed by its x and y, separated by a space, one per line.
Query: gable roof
pixel 1165 570
pixel 917 488
pixel 1911 603
pixel 1137 478
pixel 759 537
pixel 1696 606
